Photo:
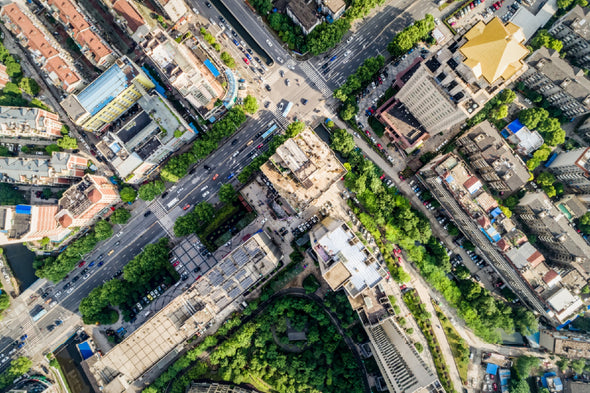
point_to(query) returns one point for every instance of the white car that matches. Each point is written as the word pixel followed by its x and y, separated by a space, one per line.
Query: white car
pixel 269 43
pixel 280 106
pixel 205 194
pixel 280 59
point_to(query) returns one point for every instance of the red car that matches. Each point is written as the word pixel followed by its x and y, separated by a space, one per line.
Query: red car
pixel 187 206
pixel 260 146
pixel 379 146
pixel 216 176
pixel 112 208
pixel 82 263
pixel 199 276
pixel 399 259
pixel 367 132
pixel 246 60
pixel 403 287
pixel 495 386
pixel 175 263
pixel 382 177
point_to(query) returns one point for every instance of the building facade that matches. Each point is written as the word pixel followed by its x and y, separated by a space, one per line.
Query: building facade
pixel 108 96
pixel 563 86
pixel 43 48
pixel 562 243
pixel 29 122
pixel 303 13
pixel 572 168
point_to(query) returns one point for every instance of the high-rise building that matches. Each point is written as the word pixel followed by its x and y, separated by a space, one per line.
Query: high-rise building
pixel 572 30
pixel 573 168
pixel 562 243
pixel 82 202
pixel 108 96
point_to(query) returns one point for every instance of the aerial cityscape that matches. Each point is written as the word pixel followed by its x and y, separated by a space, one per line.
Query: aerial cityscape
pixel 323 196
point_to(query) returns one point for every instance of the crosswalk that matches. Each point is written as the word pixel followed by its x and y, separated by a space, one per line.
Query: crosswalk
pixel 163 217
pixel 316 78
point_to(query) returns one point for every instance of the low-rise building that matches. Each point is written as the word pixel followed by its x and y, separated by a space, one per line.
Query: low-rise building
pixel 562 243
pixel 4 77
pixel 18 121
pixel 61 168
pixel 108 96
pixel 573 168
pixel 572 30
pixel 565 304
pixel 565 343
pixel 126 14
pixel 454 83
pixel 43 48
pixel 161 337
pixel 188 74
pixel 563 86
pixel 303 13
pixel 572 207
pixel 302 169
pixel 145 138
pixel 493 159
pixel 333 9
pixel 174 9
pixel 82 31
pixel 525 140
pixel 79 206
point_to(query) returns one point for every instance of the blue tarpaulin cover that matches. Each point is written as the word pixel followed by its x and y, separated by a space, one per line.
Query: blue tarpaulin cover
pixel 492 369
pixel 23 209
pixel 515 126
pixel 211 68
pixel 85 350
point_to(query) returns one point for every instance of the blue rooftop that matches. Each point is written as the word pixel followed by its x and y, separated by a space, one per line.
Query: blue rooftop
pixel 23 209
pixel 492 369
pixel 515 126
pixel 103 89
pixel 85 350
pixel 211 68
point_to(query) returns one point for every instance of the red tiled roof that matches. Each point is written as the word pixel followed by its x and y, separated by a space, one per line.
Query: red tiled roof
pixel 535 259
pixel 45 218
pixel 65 74
pixel 550 276
pixel 471 182
pixel 49 121
pixel 4 78
pixel 127 11
pixel 36 39
pixel 70 15
pixel 65 220
pixel 503 244
pixel 94 196
pixel 89 39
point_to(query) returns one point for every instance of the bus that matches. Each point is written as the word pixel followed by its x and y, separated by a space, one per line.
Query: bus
pixel 269 132
pixel 287 109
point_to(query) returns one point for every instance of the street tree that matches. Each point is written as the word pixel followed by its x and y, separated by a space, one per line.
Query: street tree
pixel 67 142
pixel 149 191
pixel 227 193
pixel 103 230
pixel 120 216
pixel 128 194
pixel 250 104
pixel 342 141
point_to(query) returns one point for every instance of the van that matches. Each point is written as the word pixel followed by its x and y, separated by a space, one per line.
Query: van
pixel 110 252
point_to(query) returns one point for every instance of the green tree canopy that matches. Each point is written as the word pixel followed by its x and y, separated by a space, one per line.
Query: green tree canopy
pixel 128 194
pixel 67 142
pixel 342 141
pixel 228 60
pixel 29 86
pixel 120 216
pixel 149 191
pixel 531 117
pixel 525 364
pixel 294 129
pixel 103 230
pixel 250 104
pixel 227 193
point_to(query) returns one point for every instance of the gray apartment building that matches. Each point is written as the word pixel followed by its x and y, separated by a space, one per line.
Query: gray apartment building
pixel 572 168
pixel 573 30
pixel 563 85
pixel 563 244
pixel 493 159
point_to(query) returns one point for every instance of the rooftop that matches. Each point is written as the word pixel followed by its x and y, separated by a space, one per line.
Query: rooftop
pixel 129 13
pixel 578 20
pixel 304 12
pixel 494 50
pixel 338 248
pixel 25 120
pixel 564 303
pixel 107 86
pixel 527 141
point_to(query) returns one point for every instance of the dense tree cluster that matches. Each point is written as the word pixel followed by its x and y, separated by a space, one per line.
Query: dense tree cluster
pixel 542 154
pixel 584 223
pixel 29 86
pixel 128 194
pixel 342 141
pixel 227 59
pixel 67 142
pixel 391 220
pixel 543 38
pixel 262 6
pixel 56 268
pixel 254 351
pixel 549 184
pixel 250 104
pixel 549 127
pixel 360 79
pixel 227 193
pixel 10 196
pixel 141 274
pixel 411 35
pixel 199 217
pixel 150 190
pixel 120 216
pixel 495 109
pixel 18 367
pixel 327 35
pixel 288 31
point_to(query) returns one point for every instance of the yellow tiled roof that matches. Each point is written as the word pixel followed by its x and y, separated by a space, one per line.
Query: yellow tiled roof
pixel 494 50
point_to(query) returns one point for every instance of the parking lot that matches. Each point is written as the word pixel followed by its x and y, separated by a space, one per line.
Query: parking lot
pixel 480 10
